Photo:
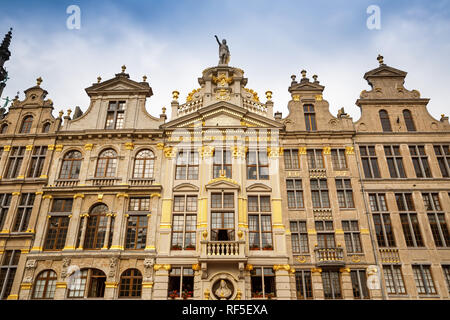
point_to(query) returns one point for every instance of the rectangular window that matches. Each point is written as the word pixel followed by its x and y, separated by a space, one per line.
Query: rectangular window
pixel 338 159
pixel 184 222
pixel 303 284
pixel 410 222
pixel 319 193
pixel 291 159
pixel 181 283
pixel 299 237
pixel 331 281
pixel 294 193
pixel 136 234
pixel 187 165
pixel 446 270
pixel 394 279
pixel 116 115
pixel 24 212
pixel 394 161
pixel 345 193
pixel 257 165
pixel 382 220
pixel 443 157
pixel 424 279
pixel 8 268
pixel 325 234
pixel 369 162
pixel 359 284
pixel 352 236
pixel 436 218
pixel 420 161
pixel 259 223
pixel 62 205
pixel 222 163
pixel 141 204
pixel 37 162
pixel 310 117
pixel 222 216
pixel 262 283
pixel 315 159
pixel 15 160
pixel 56 233
pixel 5 202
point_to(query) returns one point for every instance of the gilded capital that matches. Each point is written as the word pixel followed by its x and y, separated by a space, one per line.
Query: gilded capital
pixel 274 152
pixel 239 152
pixel 170 152
pixel 6 148
pixel 319 97
pixel 349 150
pixel 29 147
pixel 88 146
pixel 160 146
pixel 58 147
pixel 302 150
pixel 316 270
pixel 326 150
pixel 129 145
pixel 206 151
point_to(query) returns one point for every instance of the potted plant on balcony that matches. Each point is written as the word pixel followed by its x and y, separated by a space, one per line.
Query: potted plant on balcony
pixel 173 294
pixel 270 296
pixel 190 247
pixel 254 247
pixel 268 247
pixel 176 247
pixel 186 294
pixel 257 294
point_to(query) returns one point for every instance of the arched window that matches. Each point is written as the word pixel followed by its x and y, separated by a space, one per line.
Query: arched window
pixel 45 285
pixel 106 164
pixel 71 165
pixel 4 128
pixel 96 228
pixel 385 123
pixel 310 117
pixel 130 284
pixel 409 120
pixel 26 124
pixel 46 127
pixel 90 283
pixel 144 164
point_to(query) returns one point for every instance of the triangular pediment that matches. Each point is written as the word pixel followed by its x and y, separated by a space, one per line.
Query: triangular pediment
pixel 306 86
pixel 222 114
pixel 120 85
pixel 222 183
pixel 385 71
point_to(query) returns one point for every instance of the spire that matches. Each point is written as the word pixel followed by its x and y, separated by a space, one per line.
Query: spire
pixel 4 48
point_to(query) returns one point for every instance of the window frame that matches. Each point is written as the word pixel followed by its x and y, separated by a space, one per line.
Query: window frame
pixel 392 280
pixel 15 162
pixel 303 279
pixel 297 193
pixel 27 123
pixel 369 160
pixel 339 157
pixel 110 164
pixel 37 161
pixel 289 155
pixel 442 153
pixel 50 280
pixel 74 163
pixel 191 165
pixel 11 269
pixel 394 161
pixel 23 212
pixel 385 121
pixel 259 164
pixel 115 115
pixel 302 236
pixel 259 214
pixel 346 192
pixel 419 160
pixel 134 284
pixel 148 165
pixel 185 213
pixel 309 114
pixel 262 276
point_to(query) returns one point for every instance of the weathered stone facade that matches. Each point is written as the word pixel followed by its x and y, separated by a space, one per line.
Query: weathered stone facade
pixel 225 188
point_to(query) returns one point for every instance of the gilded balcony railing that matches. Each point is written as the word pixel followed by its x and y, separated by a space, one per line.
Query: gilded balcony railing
pixel 329 256
pixel 389 255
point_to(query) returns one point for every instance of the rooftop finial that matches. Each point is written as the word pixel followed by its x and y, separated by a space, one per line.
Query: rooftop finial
pixel 124 68
pixel 315 77
pixel 99 79
pixel 39 81
pixel 144 78
pixel 175 95
pixel 380 59
pixel 269 95
pixel 293 77
pixel 303 72
pixel 164 110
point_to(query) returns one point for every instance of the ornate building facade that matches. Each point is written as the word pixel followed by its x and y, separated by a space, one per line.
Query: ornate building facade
pixel 227 199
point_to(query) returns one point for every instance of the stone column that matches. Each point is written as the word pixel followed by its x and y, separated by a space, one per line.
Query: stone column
pixel 108 230
pixel 118 241
pixel 14 294
pixel 4 157
pixel 147 283
pixel 25 162
pixel 85 163
pixel 161 283
pixel 83 230
pixel 282 281
pixel 125 169
pixel 151 222
pixel 346 281
pixel 277 217
pixel 75 218
pixel 316 278
pixel 47 163
pixel 111 283
pixel 28 277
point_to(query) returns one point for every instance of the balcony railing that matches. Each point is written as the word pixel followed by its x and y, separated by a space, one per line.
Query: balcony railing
pixel 329 256
pixel 141 181
pixel 104 181
pixel 317 173
pixel 222 248
pixel 389 255
pixel 66 182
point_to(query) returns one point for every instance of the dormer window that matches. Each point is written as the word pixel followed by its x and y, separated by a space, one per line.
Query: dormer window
pixel 116 115
pixel 26 124
pixel 310 117
pixel 409 120
pixel 385 123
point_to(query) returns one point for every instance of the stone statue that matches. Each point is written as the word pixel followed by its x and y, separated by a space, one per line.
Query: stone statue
pixel 223 292
pixel 342 113
pixel 7 101
pixel 224 52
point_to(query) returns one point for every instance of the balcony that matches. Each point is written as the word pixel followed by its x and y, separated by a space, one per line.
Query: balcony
pixel 104 181
pixel 317 173
pixel 329 256
pixel 223 250
pixel 389 255
pixel 141 182
pixel 66 182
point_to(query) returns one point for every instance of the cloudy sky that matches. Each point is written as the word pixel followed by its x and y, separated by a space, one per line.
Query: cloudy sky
pixel 173 41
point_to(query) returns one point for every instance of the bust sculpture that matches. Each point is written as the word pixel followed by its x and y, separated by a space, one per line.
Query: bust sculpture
pixel 223 292
pixel 224 52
